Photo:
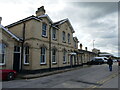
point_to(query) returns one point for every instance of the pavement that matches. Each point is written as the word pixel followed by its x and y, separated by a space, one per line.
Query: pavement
pixel 30 76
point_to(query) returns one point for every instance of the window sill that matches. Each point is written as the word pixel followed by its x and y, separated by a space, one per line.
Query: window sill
pixel 64 41
pixel 26 64
pixel 44 36
pixel 43 64
pixel 54 63
pixel 64 62
pixel 54 39
pixel 2 65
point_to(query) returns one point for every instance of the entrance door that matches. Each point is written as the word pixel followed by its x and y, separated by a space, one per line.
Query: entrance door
pixel 16 63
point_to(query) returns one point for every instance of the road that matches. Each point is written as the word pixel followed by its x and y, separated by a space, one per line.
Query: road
pixel 95 76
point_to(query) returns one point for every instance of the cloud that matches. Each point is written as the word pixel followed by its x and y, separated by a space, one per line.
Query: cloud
pixel 91 20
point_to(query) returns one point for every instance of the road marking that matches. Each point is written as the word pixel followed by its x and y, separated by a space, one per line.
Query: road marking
pixel 105 80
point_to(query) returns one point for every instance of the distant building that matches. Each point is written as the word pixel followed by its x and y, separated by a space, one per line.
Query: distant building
pixel 97 51
pixel 105 54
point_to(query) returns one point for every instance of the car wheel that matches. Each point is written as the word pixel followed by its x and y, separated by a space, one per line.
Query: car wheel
pixel 10 76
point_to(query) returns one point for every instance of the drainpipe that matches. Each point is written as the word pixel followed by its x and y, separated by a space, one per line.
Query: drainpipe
pixel 22 49
pixel 50 47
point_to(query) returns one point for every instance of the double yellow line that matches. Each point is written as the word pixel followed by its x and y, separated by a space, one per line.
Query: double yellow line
pixel 104 80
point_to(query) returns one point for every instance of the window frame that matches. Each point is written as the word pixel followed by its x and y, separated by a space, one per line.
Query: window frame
pixel 63 36
pixel 44 29
pixel 26 55
pixel 69 41
pixel 3 52
pixel 64 57
pixel 54 56
pixel 44 55
pixel 54 34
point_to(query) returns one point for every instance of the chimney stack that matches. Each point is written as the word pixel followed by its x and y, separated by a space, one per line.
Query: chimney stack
pixel 81 46
pixel 40 11
pixel 0 20
pixel 86 48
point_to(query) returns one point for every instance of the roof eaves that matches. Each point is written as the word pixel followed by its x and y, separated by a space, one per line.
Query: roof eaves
pixel 23 20
pixel 6 30
pixel 45 16
pixel 63 21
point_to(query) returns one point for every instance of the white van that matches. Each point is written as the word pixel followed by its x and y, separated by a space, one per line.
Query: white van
pixel 102 58
pixel 98 60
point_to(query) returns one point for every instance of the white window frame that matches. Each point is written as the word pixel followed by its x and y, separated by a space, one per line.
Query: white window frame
pixel 43 55
pixel 63 36
pixel 54 33
pixel 64 56
pixel 44 30
pixel 26 54
pixel 54 56
pixel 69 38
pixel 3 53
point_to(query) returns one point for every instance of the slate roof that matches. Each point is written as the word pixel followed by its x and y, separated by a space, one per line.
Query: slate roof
pixel 11 34
pixel 23 20
pixel 63 21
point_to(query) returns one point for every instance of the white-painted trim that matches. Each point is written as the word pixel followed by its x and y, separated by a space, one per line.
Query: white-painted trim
pixel 45 57
pixel 24 57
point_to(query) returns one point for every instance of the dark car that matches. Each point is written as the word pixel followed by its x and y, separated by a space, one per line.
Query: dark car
pixel 7 74
pixel 118 62
pixel 97 60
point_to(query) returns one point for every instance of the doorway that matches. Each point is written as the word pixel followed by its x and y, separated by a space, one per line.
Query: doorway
pixel 17 58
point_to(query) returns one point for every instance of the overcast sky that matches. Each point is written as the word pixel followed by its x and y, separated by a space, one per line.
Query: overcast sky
pixel 91 20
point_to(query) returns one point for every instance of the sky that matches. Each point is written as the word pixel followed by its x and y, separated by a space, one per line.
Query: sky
pixel 94 21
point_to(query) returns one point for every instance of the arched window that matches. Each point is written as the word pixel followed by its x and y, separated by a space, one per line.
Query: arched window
pixel 53 55
pixel 2 53
pixel 26 55
pixel 43 55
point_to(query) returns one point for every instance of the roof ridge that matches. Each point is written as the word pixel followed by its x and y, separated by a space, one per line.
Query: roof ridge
pixel 22 20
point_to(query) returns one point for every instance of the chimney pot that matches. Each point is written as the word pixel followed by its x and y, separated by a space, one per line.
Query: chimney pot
pixel 81 46
pixel 40 11
pixel 86 48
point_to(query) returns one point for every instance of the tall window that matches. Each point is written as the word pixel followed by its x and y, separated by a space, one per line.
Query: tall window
pixel 26 55
pixel 75 45
pixel 63 35
pixel 53 56
pixel 44 29
pixel 68 38
pixel 43 55
pixel 64 56
pixel 2 54
pixel 54 33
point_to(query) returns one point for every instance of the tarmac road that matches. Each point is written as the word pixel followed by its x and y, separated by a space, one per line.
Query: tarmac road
pixel 95 76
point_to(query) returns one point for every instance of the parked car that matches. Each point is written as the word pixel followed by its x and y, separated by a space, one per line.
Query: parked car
pixel 98 60
pixel 118 62
pixel 115 60
pixel 7 74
